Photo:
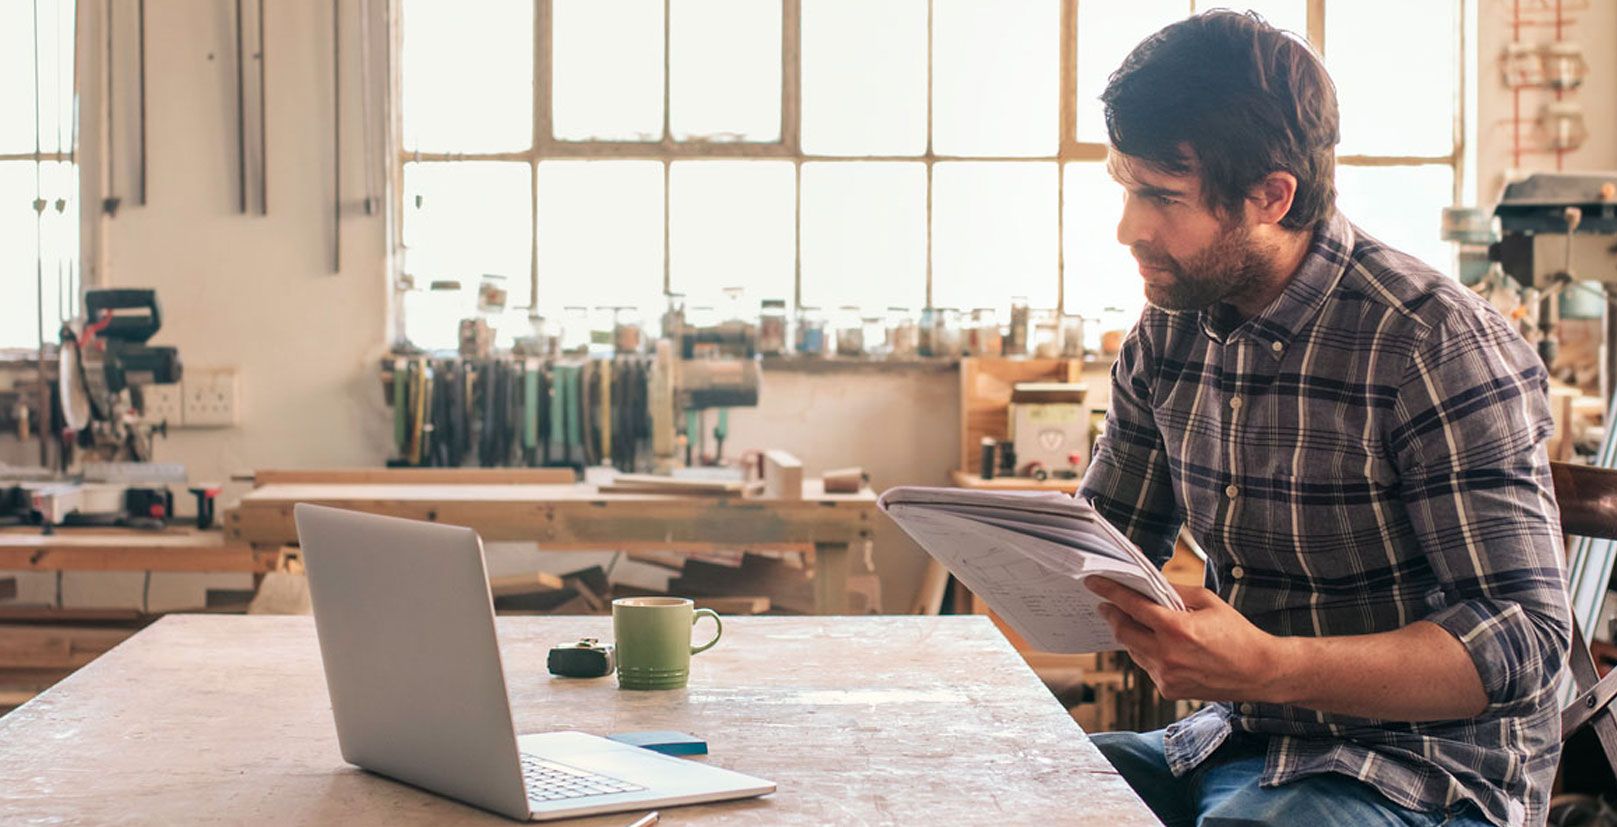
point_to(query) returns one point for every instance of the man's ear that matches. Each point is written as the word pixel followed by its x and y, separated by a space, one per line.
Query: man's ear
pixel 1271 199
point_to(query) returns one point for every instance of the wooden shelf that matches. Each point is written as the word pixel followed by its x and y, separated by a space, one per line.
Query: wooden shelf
pixel 961 479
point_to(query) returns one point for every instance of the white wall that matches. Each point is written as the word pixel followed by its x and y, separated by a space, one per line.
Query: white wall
pixel 1595 28
pixel 255 293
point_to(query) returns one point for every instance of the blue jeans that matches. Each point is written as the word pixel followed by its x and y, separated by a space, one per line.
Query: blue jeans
pixel 1224 789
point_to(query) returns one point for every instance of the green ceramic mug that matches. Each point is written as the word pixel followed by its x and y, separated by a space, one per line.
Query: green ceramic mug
pixel 653 640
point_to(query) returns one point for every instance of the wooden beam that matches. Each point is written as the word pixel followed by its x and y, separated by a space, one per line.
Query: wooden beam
pixel 526 583
pixel 415 476
pixel 55 647
pixel 783 476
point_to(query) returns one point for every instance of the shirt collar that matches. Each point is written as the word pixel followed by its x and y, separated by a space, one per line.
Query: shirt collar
pixel 1284 319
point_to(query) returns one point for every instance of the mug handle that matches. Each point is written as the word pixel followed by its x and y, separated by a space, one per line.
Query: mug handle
pixel 718 630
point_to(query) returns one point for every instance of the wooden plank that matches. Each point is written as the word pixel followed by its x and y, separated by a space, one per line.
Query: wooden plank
pixel 783 476
pixel 525 583
pixel 880 749
pixel 415 476
pixel 132 552
pixel 654 484
pixel 55 647
pixel 734 605
pixel 57 614
pixel 600 521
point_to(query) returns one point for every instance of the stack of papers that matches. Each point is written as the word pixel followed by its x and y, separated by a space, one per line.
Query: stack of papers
pixel 1027 553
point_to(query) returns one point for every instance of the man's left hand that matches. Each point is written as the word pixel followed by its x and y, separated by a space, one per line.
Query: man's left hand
pixel 1209 653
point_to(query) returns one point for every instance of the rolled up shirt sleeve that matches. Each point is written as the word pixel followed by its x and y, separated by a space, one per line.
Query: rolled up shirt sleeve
pixel 1128 480
pixel 1468 440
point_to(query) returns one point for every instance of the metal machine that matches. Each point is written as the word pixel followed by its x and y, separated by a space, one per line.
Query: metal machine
pixel 104 473
pixel 1557 232
pixel 104 362
pixel 698 369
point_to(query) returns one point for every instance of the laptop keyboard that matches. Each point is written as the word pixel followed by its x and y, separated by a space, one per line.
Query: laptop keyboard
pixel 550 781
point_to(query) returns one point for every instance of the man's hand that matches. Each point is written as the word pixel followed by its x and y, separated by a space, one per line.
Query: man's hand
pixel 1209 653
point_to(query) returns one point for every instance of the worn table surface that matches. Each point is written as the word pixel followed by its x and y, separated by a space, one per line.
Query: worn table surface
pixel 893 720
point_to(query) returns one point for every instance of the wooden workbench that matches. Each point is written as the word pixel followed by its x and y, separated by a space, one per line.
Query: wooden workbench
pixel 580 517
pixel 891 720
pixel 176 549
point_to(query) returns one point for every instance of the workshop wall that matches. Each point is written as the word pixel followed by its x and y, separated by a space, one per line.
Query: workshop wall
pixel 256 293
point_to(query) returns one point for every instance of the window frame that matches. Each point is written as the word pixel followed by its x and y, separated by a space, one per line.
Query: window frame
pixel 544 146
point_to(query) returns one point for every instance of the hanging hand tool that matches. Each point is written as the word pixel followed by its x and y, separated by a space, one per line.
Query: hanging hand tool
pixel 263 119
pixel 141 10
pixel 336 136
pixel 373 161
pixel 530 411
pixel 109 205
pixel 241 115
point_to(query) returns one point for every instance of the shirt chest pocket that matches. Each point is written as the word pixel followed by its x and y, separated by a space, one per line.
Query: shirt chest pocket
pixel 1323 518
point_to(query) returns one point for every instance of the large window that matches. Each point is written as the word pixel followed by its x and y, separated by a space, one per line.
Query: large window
pixel 873 153
pixel 39 224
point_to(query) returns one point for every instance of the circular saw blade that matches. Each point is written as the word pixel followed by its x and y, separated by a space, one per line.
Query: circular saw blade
pixel 75 397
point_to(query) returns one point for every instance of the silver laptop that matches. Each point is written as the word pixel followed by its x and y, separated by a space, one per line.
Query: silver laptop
pixel 406 627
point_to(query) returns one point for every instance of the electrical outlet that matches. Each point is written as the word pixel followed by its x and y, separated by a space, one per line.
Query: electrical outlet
pixel 163 403
pixel 211 399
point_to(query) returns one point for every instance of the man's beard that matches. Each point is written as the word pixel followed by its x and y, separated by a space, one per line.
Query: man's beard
pixel 1230 266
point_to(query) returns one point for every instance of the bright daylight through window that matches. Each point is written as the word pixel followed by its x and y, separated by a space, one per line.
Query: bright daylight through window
pixel 835 153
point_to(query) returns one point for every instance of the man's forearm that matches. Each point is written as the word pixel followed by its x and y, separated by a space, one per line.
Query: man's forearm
pixel 1417 673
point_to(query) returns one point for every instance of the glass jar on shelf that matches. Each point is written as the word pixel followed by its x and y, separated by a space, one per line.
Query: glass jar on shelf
pixel 673 321
pixel 810 331
pixel 1072 336
pixel 983 336
pixel 946 333
pixel 1016 335
pixel 1046 341
pixel 875 336
pixel 627 335
pixel 850 332
pixel 901 333
pixel 601 329
pixel 772 327
pixel 575 329
pixel 926 332
pixel 1114 325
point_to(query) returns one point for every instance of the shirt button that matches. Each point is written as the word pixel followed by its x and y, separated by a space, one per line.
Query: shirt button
pixel 1276 347
pixel 1230 490
pixel 1235 403
pixel 1246 709
pixel 1237 573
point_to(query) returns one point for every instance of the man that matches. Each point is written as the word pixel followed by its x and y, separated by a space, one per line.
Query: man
pixel 1356 441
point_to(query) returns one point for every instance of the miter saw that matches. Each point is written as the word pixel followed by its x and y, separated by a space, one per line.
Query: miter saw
pixel 104 364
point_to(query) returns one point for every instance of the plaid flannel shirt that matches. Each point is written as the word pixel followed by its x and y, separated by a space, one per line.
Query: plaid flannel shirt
pixel 1365 453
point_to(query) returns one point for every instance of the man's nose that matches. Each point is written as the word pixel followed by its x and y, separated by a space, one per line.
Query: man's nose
pixel 1131 228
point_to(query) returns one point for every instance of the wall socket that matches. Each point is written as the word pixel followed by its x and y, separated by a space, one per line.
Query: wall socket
pixel 163 403
pixel 211 398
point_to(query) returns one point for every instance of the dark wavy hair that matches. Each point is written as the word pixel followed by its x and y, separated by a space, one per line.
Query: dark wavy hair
pixel 1246 98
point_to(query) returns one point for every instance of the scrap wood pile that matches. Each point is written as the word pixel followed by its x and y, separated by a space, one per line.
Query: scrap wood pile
pixel 727 582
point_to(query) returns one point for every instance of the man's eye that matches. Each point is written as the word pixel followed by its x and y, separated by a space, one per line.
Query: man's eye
pixel 1163 200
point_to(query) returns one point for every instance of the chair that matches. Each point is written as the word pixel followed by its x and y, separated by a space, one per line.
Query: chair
pixel 1588 501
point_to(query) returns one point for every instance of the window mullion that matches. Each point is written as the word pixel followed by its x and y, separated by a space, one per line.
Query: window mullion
pixel 543 129
pixel 931 7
